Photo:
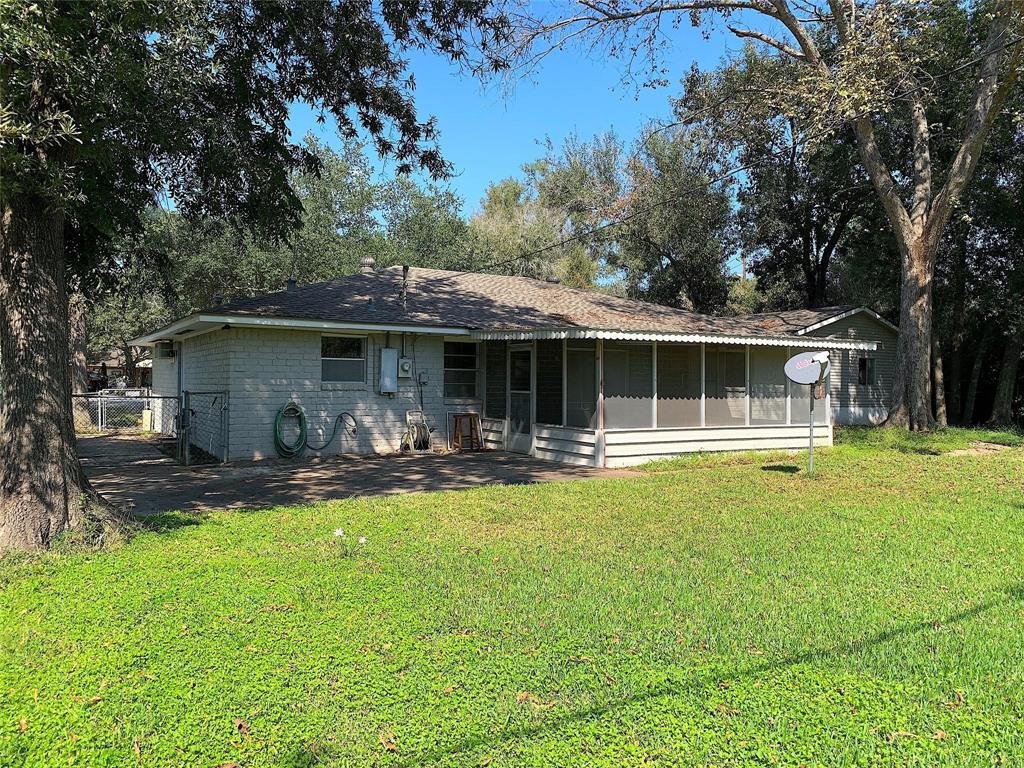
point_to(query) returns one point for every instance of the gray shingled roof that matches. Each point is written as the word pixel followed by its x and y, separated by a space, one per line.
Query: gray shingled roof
pixel 479 301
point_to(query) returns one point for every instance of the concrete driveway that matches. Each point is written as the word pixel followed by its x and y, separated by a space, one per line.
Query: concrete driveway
pixel 130 470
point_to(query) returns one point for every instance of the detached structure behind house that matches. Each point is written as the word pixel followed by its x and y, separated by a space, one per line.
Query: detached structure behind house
pixel 559 373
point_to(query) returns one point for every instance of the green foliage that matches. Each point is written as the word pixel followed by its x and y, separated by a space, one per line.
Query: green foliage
pixel 734 615
pixel 677 237
pixel 175 266
pixel 109 103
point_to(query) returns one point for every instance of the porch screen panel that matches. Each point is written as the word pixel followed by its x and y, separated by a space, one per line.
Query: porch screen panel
pixel 581 384
pixel 678 385
pixel 549 382
pixel 495 379
pixel 628 385
pixel 725 386
pixel 767 385
pixel 800 397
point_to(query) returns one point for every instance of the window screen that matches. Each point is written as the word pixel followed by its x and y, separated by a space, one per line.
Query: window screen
pixel 628 385
pixel 460 369
pixel 342 359
pixel 767 385
pixel 581 384
pixel 678 385
pixel 494 380
pixel 800 403
pixel 725 388
pixel 549 382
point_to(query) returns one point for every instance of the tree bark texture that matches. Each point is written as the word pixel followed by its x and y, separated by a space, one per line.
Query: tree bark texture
pixel 43 490
pixel 938 383
pixel 79 371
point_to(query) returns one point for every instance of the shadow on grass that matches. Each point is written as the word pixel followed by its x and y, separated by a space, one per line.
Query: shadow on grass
pixel 1013 593
pixel 788 469
pixel 171 521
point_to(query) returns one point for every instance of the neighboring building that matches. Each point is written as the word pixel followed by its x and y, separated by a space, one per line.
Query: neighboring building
pixel 112 371
pixel 556 372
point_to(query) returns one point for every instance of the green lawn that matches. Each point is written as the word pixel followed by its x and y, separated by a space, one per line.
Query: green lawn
pixel 726 613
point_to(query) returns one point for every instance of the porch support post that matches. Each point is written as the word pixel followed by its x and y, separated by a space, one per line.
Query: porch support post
pixel 789 392
pixel 599 448
pixel 565 381
pixel 654 384
pixel 703 384
pixel 746 387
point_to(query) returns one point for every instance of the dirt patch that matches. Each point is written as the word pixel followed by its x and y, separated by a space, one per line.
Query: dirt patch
pixel 980 448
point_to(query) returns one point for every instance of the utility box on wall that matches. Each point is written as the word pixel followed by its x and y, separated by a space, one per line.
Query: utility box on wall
pixel 388 371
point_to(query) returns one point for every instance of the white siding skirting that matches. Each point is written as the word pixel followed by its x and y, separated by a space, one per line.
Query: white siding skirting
pixel 493 433
pixel 628 447
pixel 565 444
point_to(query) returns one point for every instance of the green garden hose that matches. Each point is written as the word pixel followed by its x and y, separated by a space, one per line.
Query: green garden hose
pixel 288 450
pixel 285 449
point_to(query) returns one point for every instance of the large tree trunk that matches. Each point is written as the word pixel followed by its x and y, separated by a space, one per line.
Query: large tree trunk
pixel 43 490
pixel 967 416
pixel 79 371
pixel 938 383
pixel 911 403
pixel 1002 406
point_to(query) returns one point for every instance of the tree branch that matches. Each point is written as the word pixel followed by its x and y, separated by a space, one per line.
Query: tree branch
pixel 987 100
pixel 768 40
pixel 921 134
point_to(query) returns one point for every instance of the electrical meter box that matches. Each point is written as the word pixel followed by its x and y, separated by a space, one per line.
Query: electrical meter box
pixel 405 367
pixel 388 371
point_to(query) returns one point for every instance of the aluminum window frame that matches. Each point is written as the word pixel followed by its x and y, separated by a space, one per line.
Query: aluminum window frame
pixel 365 346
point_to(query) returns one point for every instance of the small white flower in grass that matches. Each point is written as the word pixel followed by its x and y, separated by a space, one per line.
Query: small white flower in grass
pixel 362 539
pixel 339 531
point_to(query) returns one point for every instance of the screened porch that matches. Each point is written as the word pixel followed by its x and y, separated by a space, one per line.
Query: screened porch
pixel 611 402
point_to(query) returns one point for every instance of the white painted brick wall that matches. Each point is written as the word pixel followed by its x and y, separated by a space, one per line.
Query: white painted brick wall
pixel 268 367
pixel 165 382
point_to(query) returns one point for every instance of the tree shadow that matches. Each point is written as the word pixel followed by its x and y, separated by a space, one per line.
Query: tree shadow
pixel 166 522
pixel 1014 593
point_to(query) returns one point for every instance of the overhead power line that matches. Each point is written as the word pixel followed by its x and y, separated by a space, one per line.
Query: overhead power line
pixel 726 175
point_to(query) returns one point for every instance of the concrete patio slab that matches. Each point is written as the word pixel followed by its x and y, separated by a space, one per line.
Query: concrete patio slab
pixel 130 470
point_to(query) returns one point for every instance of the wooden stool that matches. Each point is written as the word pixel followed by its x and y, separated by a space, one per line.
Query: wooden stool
pixel 466 427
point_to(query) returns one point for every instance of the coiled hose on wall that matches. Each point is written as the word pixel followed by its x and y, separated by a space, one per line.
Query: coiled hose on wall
pixel 291 409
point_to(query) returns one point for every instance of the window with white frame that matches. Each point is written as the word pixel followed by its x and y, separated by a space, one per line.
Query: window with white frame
pixel 460 369
pixel 343 359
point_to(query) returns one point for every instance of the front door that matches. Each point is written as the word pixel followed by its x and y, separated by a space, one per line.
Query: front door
pixel 520 407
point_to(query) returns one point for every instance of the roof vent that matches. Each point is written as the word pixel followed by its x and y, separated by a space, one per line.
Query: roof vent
pixel 366 264
pixel 553 280
pixel 292 282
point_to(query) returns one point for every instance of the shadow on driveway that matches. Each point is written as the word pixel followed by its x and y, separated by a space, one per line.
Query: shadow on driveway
pixel 134 471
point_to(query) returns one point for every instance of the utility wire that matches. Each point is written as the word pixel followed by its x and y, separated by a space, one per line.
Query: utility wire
pixel 724 176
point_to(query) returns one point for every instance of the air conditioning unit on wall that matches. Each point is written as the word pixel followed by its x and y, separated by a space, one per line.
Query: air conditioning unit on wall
pixel 164 350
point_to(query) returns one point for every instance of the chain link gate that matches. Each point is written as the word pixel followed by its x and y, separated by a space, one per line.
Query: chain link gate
pixel 204 428
pixel 125 412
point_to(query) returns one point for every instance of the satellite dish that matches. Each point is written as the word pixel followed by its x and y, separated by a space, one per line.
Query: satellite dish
pixel 808 367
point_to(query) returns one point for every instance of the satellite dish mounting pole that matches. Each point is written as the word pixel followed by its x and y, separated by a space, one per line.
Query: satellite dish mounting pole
pixel 810 420
pixel 809 369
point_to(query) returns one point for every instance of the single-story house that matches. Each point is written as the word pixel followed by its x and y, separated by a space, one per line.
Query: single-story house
pixel 560 373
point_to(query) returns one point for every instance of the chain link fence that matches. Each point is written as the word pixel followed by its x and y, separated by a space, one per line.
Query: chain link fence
pixel 125 412
pixel 204 427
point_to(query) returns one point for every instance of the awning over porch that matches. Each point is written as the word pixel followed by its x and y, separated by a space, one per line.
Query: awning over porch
pixel 796 342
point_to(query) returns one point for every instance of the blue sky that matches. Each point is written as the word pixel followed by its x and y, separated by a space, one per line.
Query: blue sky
pixel 488 133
